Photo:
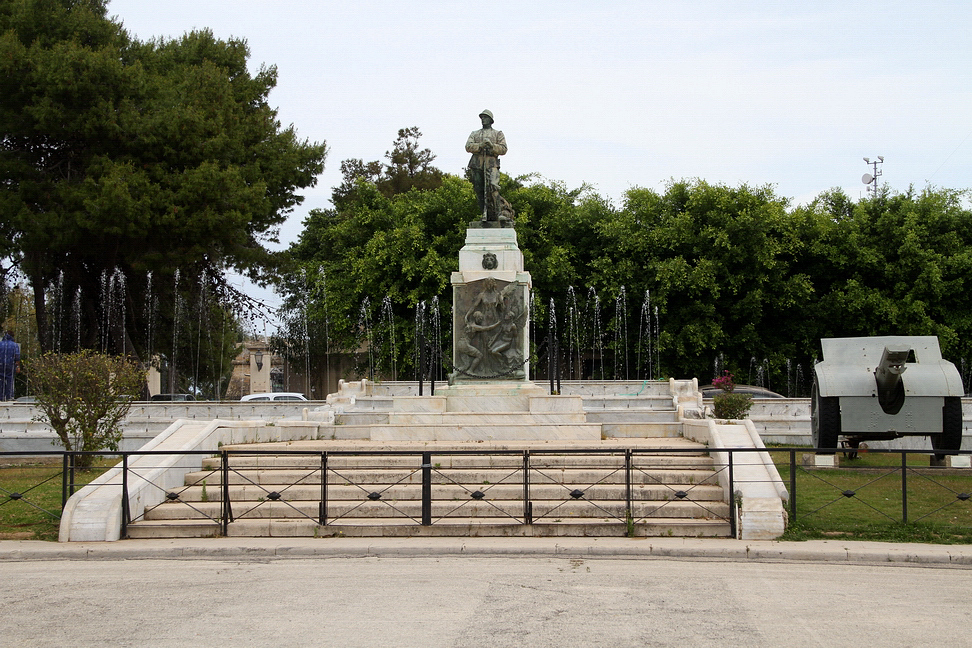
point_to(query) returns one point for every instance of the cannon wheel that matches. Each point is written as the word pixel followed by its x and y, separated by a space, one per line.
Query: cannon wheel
pixel 950 439
pixel 824 419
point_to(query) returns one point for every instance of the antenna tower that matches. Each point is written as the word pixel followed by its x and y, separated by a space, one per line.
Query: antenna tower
pixel 871 179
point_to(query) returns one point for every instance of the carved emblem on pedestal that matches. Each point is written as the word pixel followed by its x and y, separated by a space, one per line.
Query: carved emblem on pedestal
pixel 489 261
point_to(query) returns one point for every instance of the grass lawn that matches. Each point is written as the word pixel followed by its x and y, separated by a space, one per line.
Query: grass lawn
pixel 37 513
pixel 861 500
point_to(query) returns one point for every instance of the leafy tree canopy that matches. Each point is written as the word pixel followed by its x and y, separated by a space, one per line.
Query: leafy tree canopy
pixel 739 278
pixel 408 167
pixel 143 156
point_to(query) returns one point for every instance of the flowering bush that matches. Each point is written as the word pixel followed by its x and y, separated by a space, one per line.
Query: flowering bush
pixel 724 382
pixel 729 405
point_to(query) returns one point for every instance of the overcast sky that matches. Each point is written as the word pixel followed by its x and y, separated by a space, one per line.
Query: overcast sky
pixel 617 94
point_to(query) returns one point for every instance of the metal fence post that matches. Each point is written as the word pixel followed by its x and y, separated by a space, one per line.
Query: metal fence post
pixel 227 507
pixel 732 497
pixel 426 489
pixel 793 502
pixel 904 488
pixel 527 504
pixel 74 462
pixel 64 480
pixel 322 512
pixel 126 513
pixel 627 485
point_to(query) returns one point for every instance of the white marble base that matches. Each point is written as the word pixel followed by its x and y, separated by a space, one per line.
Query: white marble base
pixel 524 432
pixel 958 461
pixel 469 419
pixel 492 389
pixel 436 403
pixel 825 461
pixel 484 411
pixel 499 241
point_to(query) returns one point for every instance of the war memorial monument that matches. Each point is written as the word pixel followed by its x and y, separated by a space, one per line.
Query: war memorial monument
pixel 491 453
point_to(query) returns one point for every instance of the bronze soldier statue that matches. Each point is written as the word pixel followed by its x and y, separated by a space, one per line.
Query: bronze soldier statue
pixel 486 145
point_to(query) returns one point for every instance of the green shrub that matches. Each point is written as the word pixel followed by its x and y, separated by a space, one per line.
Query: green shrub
pixel 85 396
pixel 729 405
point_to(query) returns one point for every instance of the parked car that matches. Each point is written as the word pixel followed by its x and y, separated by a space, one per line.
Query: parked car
pixel 274 396
pixel 709 391
pixel 173 397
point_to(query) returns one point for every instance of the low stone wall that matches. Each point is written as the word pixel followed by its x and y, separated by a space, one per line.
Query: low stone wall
pixel 93 514
pixel 783 421
pixel 21 428
pixel 780 420
pixel 786 421
pixel 567 387
pixel 757 486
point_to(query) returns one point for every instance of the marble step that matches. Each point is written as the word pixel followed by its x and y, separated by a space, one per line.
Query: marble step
pixel 498 527
pixel 193 497
pixel 482 448
pixel 486 419
pixel 625 401
pixel 640 430
pixel 694 472
pixel 181 528
pixel 454 527
pixel 680 474
pixel 380 474
pixel 613 415
pixel 377 403
pixel 342 462
pixel 593 416
pixel 361 417
pixel 556 509
pixel 522 403
pixel 309 486
pixel 472 432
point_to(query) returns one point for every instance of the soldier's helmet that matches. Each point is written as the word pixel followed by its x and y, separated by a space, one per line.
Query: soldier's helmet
pixel 487 113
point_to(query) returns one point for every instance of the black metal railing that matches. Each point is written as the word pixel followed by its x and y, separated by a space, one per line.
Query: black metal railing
pixel 867 486
pixel 614 491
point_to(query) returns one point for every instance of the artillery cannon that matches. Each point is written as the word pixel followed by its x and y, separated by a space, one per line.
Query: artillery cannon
pixel 880 388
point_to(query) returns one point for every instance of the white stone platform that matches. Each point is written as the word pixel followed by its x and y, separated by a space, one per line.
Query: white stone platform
pixel 476 416
pixel 514 410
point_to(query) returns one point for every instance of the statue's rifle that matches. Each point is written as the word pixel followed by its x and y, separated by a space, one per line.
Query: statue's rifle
pixel 486 191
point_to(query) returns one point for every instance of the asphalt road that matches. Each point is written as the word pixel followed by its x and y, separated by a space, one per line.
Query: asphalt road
pixel 479 601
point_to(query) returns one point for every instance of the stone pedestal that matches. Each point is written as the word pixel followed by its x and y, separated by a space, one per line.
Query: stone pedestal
pixel 154 378
pixel 491 310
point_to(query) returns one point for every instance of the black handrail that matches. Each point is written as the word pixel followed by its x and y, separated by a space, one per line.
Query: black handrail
pixel 70 459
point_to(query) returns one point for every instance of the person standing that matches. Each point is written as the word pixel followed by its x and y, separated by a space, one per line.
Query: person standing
pixel 486 145
pixel 9 365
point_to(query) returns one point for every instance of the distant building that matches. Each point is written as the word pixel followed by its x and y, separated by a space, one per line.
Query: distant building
pixel 257 369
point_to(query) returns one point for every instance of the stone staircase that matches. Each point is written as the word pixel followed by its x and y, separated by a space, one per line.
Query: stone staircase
pixel 582 451
pixel 581 413
pixel 574 490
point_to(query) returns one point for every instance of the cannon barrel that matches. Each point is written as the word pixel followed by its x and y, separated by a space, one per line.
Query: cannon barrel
pixel 887 375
